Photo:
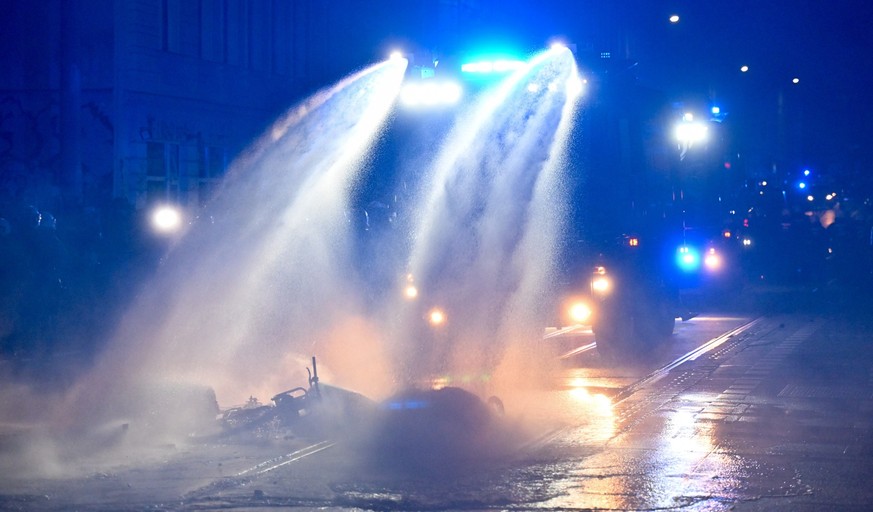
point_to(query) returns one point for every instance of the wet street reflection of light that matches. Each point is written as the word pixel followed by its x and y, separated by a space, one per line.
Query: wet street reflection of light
pixel 660 463
pixel 641 439
pixel 684 441
pixel 598 404
pixel 592 411
pixel 685 455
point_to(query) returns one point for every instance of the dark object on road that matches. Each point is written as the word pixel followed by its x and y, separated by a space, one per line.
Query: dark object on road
pixel 316 409
pixel 434 428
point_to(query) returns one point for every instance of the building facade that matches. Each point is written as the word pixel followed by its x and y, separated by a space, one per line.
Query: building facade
pixel 145 100
pixel 150 100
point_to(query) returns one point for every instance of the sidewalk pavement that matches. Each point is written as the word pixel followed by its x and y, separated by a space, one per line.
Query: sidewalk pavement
pixel 780 418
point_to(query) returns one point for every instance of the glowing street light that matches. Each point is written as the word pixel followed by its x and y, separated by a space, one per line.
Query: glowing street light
pixel 744 69
pixel 166 219
pixel 674 18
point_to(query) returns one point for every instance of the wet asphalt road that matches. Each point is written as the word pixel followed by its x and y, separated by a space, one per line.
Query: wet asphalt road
pixel 776 416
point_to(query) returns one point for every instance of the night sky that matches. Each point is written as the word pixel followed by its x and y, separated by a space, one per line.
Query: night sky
pixel 827 45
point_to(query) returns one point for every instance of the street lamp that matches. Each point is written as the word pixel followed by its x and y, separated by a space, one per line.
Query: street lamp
pixel 166 219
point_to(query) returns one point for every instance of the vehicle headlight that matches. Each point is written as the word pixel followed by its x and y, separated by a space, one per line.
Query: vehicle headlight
pixel 436 317
pixel 601 284
pixel 579 312
pixel 410 291
pixel 712 260
pixel 431 93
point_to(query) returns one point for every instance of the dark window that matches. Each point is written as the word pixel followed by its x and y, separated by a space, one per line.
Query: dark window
pixel 213 26
pixel 237 32
pixel 171 25
pixel 155 155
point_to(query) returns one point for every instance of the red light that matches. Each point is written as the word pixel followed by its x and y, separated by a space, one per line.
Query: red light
pixel 727 165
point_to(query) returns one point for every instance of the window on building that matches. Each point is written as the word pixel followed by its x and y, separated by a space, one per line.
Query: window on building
pixel 213 26
pixel 162 171
pixel 213 162
pixel 171 25
pixel 181 26
pixel 237 22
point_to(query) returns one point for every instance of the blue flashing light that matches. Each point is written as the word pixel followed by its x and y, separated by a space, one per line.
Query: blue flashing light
pixel 687 259
pixel 801 185
pixel 716 111
pixel 406 405
pixel 806 172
